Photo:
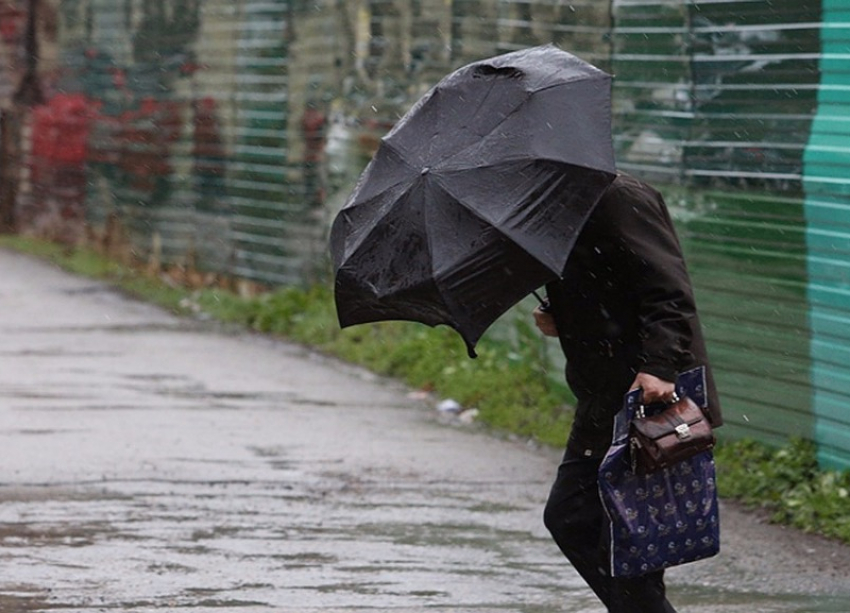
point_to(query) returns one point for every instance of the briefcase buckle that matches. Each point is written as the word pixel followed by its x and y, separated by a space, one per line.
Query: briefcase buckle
pixel 683 431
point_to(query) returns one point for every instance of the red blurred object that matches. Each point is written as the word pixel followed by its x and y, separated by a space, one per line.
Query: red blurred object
pixel 61 129
pixel 12 20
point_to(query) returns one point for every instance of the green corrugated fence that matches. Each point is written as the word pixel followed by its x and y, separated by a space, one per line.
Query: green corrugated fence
pixel 827 238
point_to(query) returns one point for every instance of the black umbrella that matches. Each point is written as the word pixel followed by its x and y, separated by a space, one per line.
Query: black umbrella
pixel 476 196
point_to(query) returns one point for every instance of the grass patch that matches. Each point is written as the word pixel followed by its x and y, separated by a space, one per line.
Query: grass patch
pixel 787 485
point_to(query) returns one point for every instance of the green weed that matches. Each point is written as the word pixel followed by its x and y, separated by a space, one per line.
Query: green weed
pixel 787 484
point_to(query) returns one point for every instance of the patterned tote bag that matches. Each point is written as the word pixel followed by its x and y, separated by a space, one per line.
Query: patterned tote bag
pixel 665 518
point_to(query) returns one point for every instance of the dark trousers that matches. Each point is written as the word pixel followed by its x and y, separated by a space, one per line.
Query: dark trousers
pixel 575 517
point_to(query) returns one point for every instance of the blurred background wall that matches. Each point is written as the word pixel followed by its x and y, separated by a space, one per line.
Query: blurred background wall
pixel 219 138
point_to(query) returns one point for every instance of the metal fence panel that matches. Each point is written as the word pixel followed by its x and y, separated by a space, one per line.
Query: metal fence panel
pixel 827 208
pixel 223 135
pixel 715 103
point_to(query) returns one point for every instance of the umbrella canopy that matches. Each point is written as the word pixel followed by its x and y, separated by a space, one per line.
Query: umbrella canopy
pixel 476 196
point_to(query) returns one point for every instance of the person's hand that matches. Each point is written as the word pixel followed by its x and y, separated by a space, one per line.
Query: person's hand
pixel 545 322
pixel 654 389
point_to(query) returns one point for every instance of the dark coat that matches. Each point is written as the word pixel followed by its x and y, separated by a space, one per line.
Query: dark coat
pixel 625 305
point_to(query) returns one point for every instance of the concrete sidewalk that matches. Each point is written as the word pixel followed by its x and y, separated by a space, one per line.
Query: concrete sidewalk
pixel 152 463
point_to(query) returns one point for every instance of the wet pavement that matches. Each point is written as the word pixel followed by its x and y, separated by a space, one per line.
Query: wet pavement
pixel 151 463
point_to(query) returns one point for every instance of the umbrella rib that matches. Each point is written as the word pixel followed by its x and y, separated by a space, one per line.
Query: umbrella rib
pixel 444 162
pixel 569 81
pixel 399 156
pixel 493 128
pixel 489 224
pixel 484 100
pixel 370 233
pixel 446 298
pixel 517 109
pixel 509 160
pixel 474 144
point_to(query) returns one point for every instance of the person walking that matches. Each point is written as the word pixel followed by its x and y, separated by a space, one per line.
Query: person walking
pixel 625 315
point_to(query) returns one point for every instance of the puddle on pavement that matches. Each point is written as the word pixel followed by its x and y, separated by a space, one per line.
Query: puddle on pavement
pixel 379 541
pixel 493 507
pixel 86 290
pixel 749 602
pixel 304 560
pixel 51 535
pixel 170 568
pixel 441 535
pixel 173 386
pixel 18 393
pixel 58 352
pixel 39 494
pixel 21 599
pixel 35 432
pixel 180 325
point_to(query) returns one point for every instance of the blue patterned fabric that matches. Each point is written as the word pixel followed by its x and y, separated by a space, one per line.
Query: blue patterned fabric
pixel 661 519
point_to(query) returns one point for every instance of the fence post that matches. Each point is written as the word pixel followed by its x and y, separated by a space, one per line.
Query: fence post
pixel 8 173
pixel 27 95
pixel 29 91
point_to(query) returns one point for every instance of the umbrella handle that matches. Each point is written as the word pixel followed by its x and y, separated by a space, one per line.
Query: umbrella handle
pixel 545 305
